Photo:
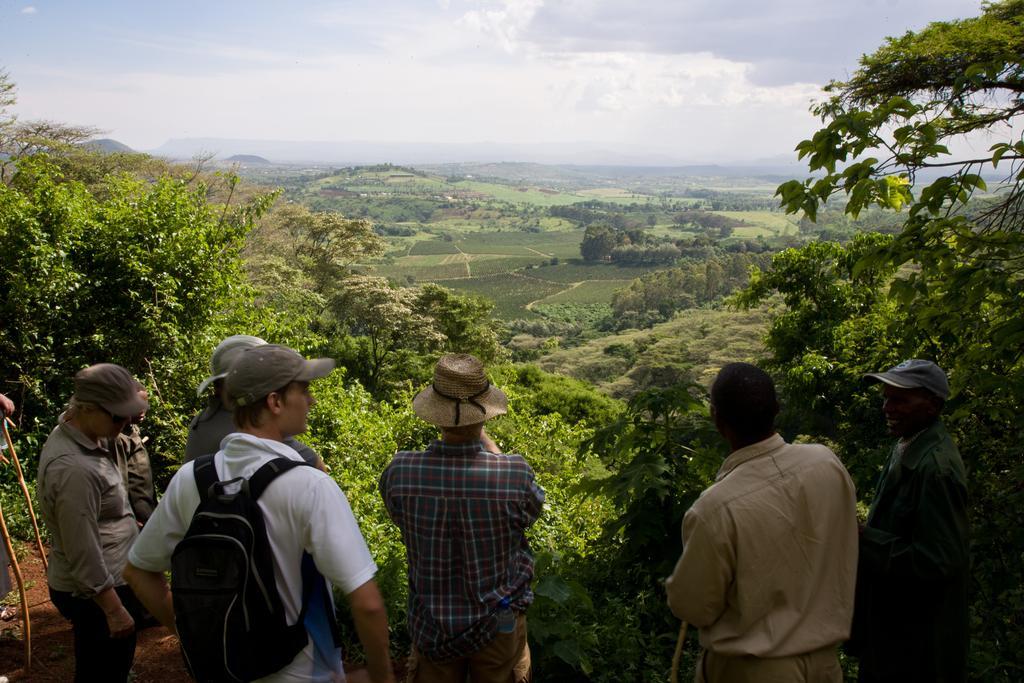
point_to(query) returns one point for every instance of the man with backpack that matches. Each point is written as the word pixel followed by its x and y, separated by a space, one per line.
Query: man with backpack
pixel 250 533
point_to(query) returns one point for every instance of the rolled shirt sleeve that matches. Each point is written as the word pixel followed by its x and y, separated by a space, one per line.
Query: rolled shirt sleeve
pixel 699 584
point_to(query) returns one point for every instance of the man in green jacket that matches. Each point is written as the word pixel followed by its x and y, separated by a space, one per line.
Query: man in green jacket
pixel 910 617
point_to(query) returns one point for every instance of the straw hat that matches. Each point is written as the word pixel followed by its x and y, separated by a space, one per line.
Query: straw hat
pixel 460 395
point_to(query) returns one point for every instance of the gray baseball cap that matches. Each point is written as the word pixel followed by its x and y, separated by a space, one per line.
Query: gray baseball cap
pixel 112 388
pixel 912 374
pixel 260 370
pixel 224 354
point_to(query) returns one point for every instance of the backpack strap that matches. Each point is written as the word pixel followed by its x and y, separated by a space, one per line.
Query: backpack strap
pixel 262 477
pixel 314 586
pixel 205 474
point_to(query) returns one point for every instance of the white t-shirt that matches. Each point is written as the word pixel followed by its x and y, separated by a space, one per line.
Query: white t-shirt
pixel 304 510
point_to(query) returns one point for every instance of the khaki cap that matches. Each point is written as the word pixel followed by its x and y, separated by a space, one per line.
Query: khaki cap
pixel 259 370
pixel 112 388
pixel 461 394
pixel 224 355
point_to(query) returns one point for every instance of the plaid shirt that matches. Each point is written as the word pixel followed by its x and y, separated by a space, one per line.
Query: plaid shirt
pixel 463 513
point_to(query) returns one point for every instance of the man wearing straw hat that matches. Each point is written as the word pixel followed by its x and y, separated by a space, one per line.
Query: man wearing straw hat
pixel 84 503
pixel 463 509
pixel 209 427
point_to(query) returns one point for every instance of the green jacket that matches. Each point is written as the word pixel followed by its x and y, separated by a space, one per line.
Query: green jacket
pixel 910 615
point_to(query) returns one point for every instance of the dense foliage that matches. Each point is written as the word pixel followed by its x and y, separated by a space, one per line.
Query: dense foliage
pixel 947 286
pixel 123 259
pixel 656 296
pixel 137 276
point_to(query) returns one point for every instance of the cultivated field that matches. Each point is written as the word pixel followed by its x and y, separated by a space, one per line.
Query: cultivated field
pixel 510 292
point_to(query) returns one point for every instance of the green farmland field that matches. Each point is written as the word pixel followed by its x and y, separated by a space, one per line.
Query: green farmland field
pixel 577 271
pixel 540 244
pixel 762 223
pixel 521 195
pixel 493 265
pixel 587 292
pixel 510 292
pixel 434 246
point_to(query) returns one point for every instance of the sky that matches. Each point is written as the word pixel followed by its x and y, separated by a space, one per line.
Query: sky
pixel 689 81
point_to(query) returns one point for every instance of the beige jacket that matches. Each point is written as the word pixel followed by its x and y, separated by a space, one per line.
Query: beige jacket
pixel 769 557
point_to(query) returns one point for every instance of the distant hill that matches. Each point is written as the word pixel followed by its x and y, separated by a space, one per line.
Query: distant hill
pixel 359 153
pixel 248 159
pixel 107 146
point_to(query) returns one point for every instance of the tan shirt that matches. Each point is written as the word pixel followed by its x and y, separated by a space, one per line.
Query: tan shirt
pixel 769 557
pixel 83 502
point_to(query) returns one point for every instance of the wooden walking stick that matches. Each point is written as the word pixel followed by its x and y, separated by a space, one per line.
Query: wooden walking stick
pixel 24 490
pixel 21 589
pixel 677 655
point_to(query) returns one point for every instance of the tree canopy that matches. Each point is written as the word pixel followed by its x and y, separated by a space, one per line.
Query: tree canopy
pixel 948 285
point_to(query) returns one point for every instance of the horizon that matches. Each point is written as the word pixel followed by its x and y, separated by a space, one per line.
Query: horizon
pixel 658 83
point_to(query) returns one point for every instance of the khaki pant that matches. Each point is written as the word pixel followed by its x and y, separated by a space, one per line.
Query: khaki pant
pixel 506 659
pixel 820 666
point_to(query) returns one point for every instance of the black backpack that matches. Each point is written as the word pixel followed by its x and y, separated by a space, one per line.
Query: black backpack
pixel 229 615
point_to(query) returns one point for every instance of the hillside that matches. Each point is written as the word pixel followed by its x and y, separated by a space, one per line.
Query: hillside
pixel 248 159
pixel 107 145
pixel 689 348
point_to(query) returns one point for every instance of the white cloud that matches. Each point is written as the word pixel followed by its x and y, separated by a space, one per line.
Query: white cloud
pixel 28 10
pixel 503 21
pixel 679 105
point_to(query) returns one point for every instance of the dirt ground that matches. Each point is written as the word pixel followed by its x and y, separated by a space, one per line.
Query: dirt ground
pixel 157 657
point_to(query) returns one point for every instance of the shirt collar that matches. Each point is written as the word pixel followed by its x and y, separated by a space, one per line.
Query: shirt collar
pixel 240 443
pixel 907 451
pixel 748 453
pixel 80 438
pixel 443 448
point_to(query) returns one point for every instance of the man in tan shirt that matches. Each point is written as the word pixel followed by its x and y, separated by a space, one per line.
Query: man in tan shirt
pixel 769 557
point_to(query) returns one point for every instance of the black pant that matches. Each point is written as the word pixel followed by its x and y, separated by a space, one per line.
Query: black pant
pixel 98 657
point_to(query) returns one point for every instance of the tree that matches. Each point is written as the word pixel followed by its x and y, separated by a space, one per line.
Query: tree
pixel 598 242
pixel 385 327
pixel 890 139
pixel 326 243
pixel 463 319
pixel 8 98
pixel 143 275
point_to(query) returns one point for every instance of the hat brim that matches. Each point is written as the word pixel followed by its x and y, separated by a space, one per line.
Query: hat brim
pixel 129 407
pixel 439 411
pixel 317 368
pixel 205 384
pixel 893 380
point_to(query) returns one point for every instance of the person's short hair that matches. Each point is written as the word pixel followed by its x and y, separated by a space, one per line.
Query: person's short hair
pixel 744 398
pixel 252 414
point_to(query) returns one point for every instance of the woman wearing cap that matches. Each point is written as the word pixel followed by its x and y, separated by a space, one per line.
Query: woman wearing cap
pixel 84 504
pixel 210 426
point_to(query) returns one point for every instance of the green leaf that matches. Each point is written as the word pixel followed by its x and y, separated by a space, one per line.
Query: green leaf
pixel 554 587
